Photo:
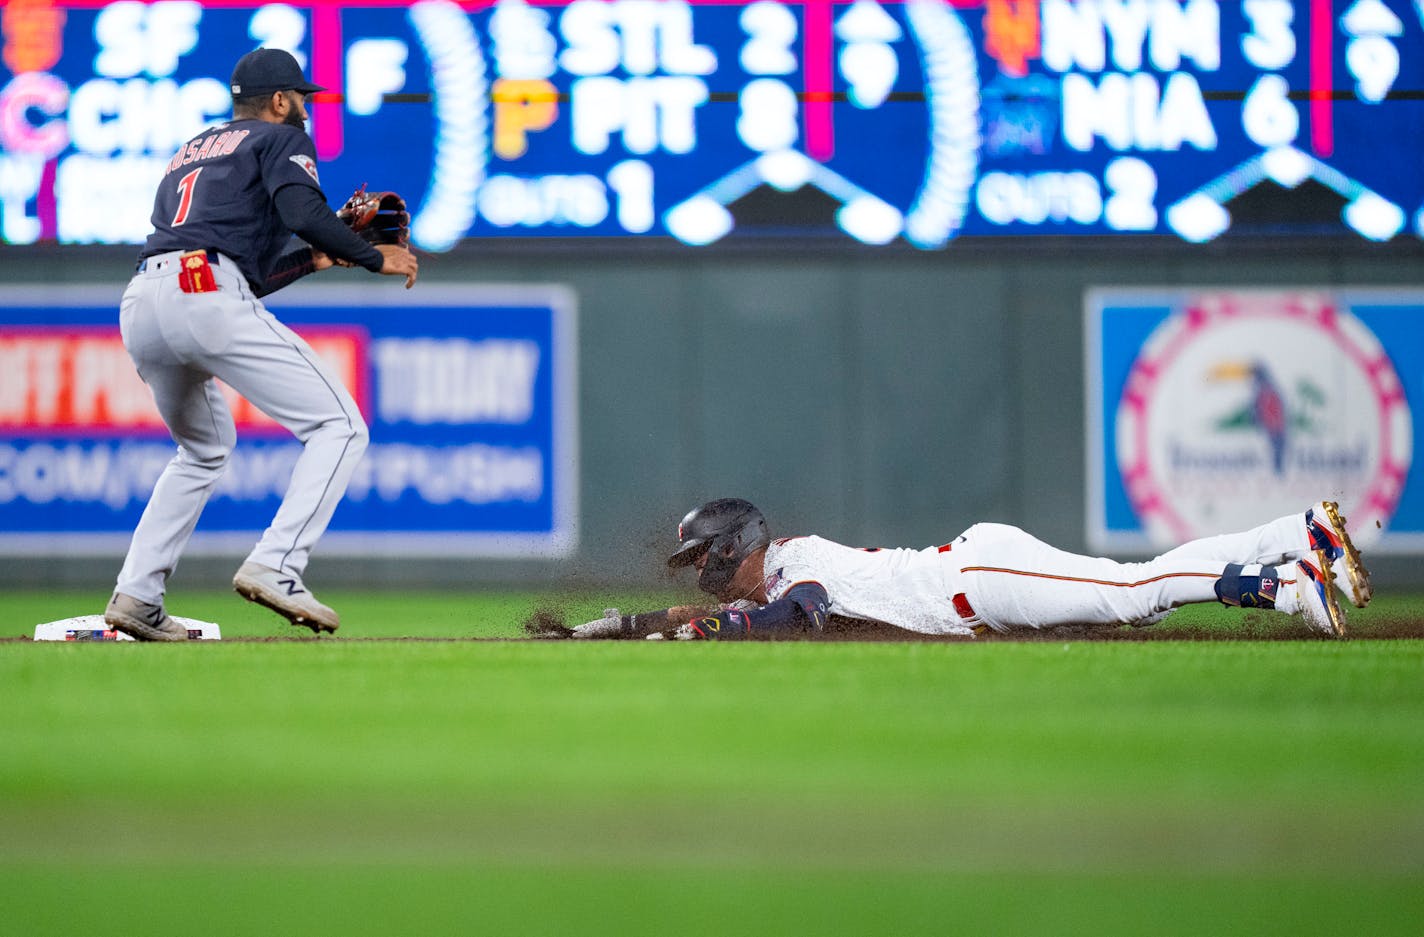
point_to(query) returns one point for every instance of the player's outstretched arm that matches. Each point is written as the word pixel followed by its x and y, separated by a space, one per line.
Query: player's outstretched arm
pixel 803 608
pixel 616 626
pixel 304 212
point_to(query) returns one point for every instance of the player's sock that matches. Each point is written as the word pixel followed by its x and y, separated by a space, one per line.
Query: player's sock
pixel 1253 586
pixel 1287 596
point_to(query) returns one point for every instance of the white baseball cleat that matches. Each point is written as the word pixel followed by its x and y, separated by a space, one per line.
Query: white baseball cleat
pixel 1315 594
pixel 142 621
pixel 285 594
pixel 1328 535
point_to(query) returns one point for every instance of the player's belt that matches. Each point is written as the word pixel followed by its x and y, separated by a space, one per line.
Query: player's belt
pixel 159 261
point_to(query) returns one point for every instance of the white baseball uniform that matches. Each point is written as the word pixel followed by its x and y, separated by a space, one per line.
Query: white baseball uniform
pixel 1000 576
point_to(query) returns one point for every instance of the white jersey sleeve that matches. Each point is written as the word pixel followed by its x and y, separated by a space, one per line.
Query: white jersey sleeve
pixel 909 589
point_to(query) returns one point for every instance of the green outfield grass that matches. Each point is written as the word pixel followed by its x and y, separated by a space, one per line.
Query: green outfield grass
pixel 473 787
pixel 499 614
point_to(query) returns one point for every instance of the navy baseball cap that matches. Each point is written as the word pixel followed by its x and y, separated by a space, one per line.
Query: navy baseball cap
pixel 263 71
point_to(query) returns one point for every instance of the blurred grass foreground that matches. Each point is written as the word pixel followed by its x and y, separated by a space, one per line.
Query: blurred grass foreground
pixel 378 787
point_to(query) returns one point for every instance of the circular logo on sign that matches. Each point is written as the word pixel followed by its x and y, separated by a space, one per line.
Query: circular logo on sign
pixel 1247 406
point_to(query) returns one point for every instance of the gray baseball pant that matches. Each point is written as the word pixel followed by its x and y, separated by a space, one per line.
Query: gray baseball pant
pixel 181 341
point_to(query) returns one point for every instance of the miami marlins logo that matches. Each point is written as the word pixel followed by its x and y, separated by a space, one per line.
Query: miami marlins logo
pixel 307 163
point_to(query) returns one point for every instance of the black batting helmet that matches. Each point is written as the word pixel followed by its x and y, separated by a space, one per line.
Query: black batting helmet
pixel 727 530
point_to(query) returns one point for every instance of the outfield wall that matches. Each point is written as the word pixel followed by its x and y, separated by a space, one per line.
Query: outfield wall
pixel 881 398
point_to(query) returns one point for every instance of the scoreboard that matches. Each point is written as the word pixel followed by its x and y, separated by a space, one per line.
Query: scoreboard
pixel 910 121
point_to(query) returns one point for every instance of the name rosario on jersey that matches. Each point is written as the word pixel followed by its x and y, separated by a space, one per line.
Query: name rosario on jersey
pixel 214 145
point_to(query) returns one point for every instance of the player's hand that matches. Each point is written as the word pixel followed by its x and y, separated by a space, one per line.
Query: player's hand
pixel 609 626
pixel 684 632
pixel 398 261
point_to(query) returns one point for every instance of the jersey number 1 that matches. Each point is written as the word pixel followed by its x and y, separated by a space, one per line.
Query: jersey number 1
pixel 185 196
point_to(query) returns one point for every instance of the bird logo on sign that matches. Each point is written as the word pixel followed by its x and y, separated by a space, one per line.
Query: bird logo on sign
pixel 1266 411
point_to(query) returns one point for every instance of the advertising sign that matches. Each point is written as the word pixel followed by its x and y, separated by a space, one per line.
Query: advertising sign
pixel 469 393
pixel 1212 411
pixel 910 121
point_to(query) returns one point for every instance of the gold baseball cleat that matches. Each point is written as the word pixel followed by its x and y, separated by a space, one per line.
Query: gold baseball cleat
pixel 1315 591
pixel 1348 568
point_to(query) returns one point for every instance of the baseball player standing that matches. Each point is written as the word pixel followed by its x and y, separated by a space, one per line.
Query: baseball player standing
pixel 993 576
pixel 225 210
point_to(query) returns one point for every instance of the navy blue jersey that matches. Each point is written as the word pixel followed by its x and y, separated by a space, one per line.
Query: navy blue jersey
pixel 217 193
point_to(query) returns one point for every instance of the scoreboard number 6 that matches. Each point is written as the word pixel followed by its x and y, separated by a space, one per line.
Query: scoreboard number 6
pixel 185 196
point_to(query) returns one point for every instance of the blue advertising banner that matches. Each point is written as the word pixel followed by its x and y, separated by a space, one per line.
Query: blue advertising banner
pixel 1215 410
pixel 470 394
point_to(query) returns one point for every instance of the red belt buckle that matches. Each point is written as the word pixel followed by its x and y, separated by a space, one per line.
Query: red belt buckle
pixel 962 606
pixel 195 274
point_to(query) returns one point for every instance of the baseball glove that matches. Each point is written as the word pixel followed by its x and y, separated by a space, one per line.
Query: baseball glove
pixel 379 217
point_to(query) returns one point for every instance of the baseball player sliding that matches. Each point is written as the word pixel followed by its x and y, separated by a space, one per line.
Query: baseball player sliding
pixel 992 576
pixel 225 210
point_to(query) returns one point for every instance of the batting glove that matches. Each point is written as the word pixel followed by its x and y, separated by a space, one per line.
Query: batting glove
pixel 609 626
